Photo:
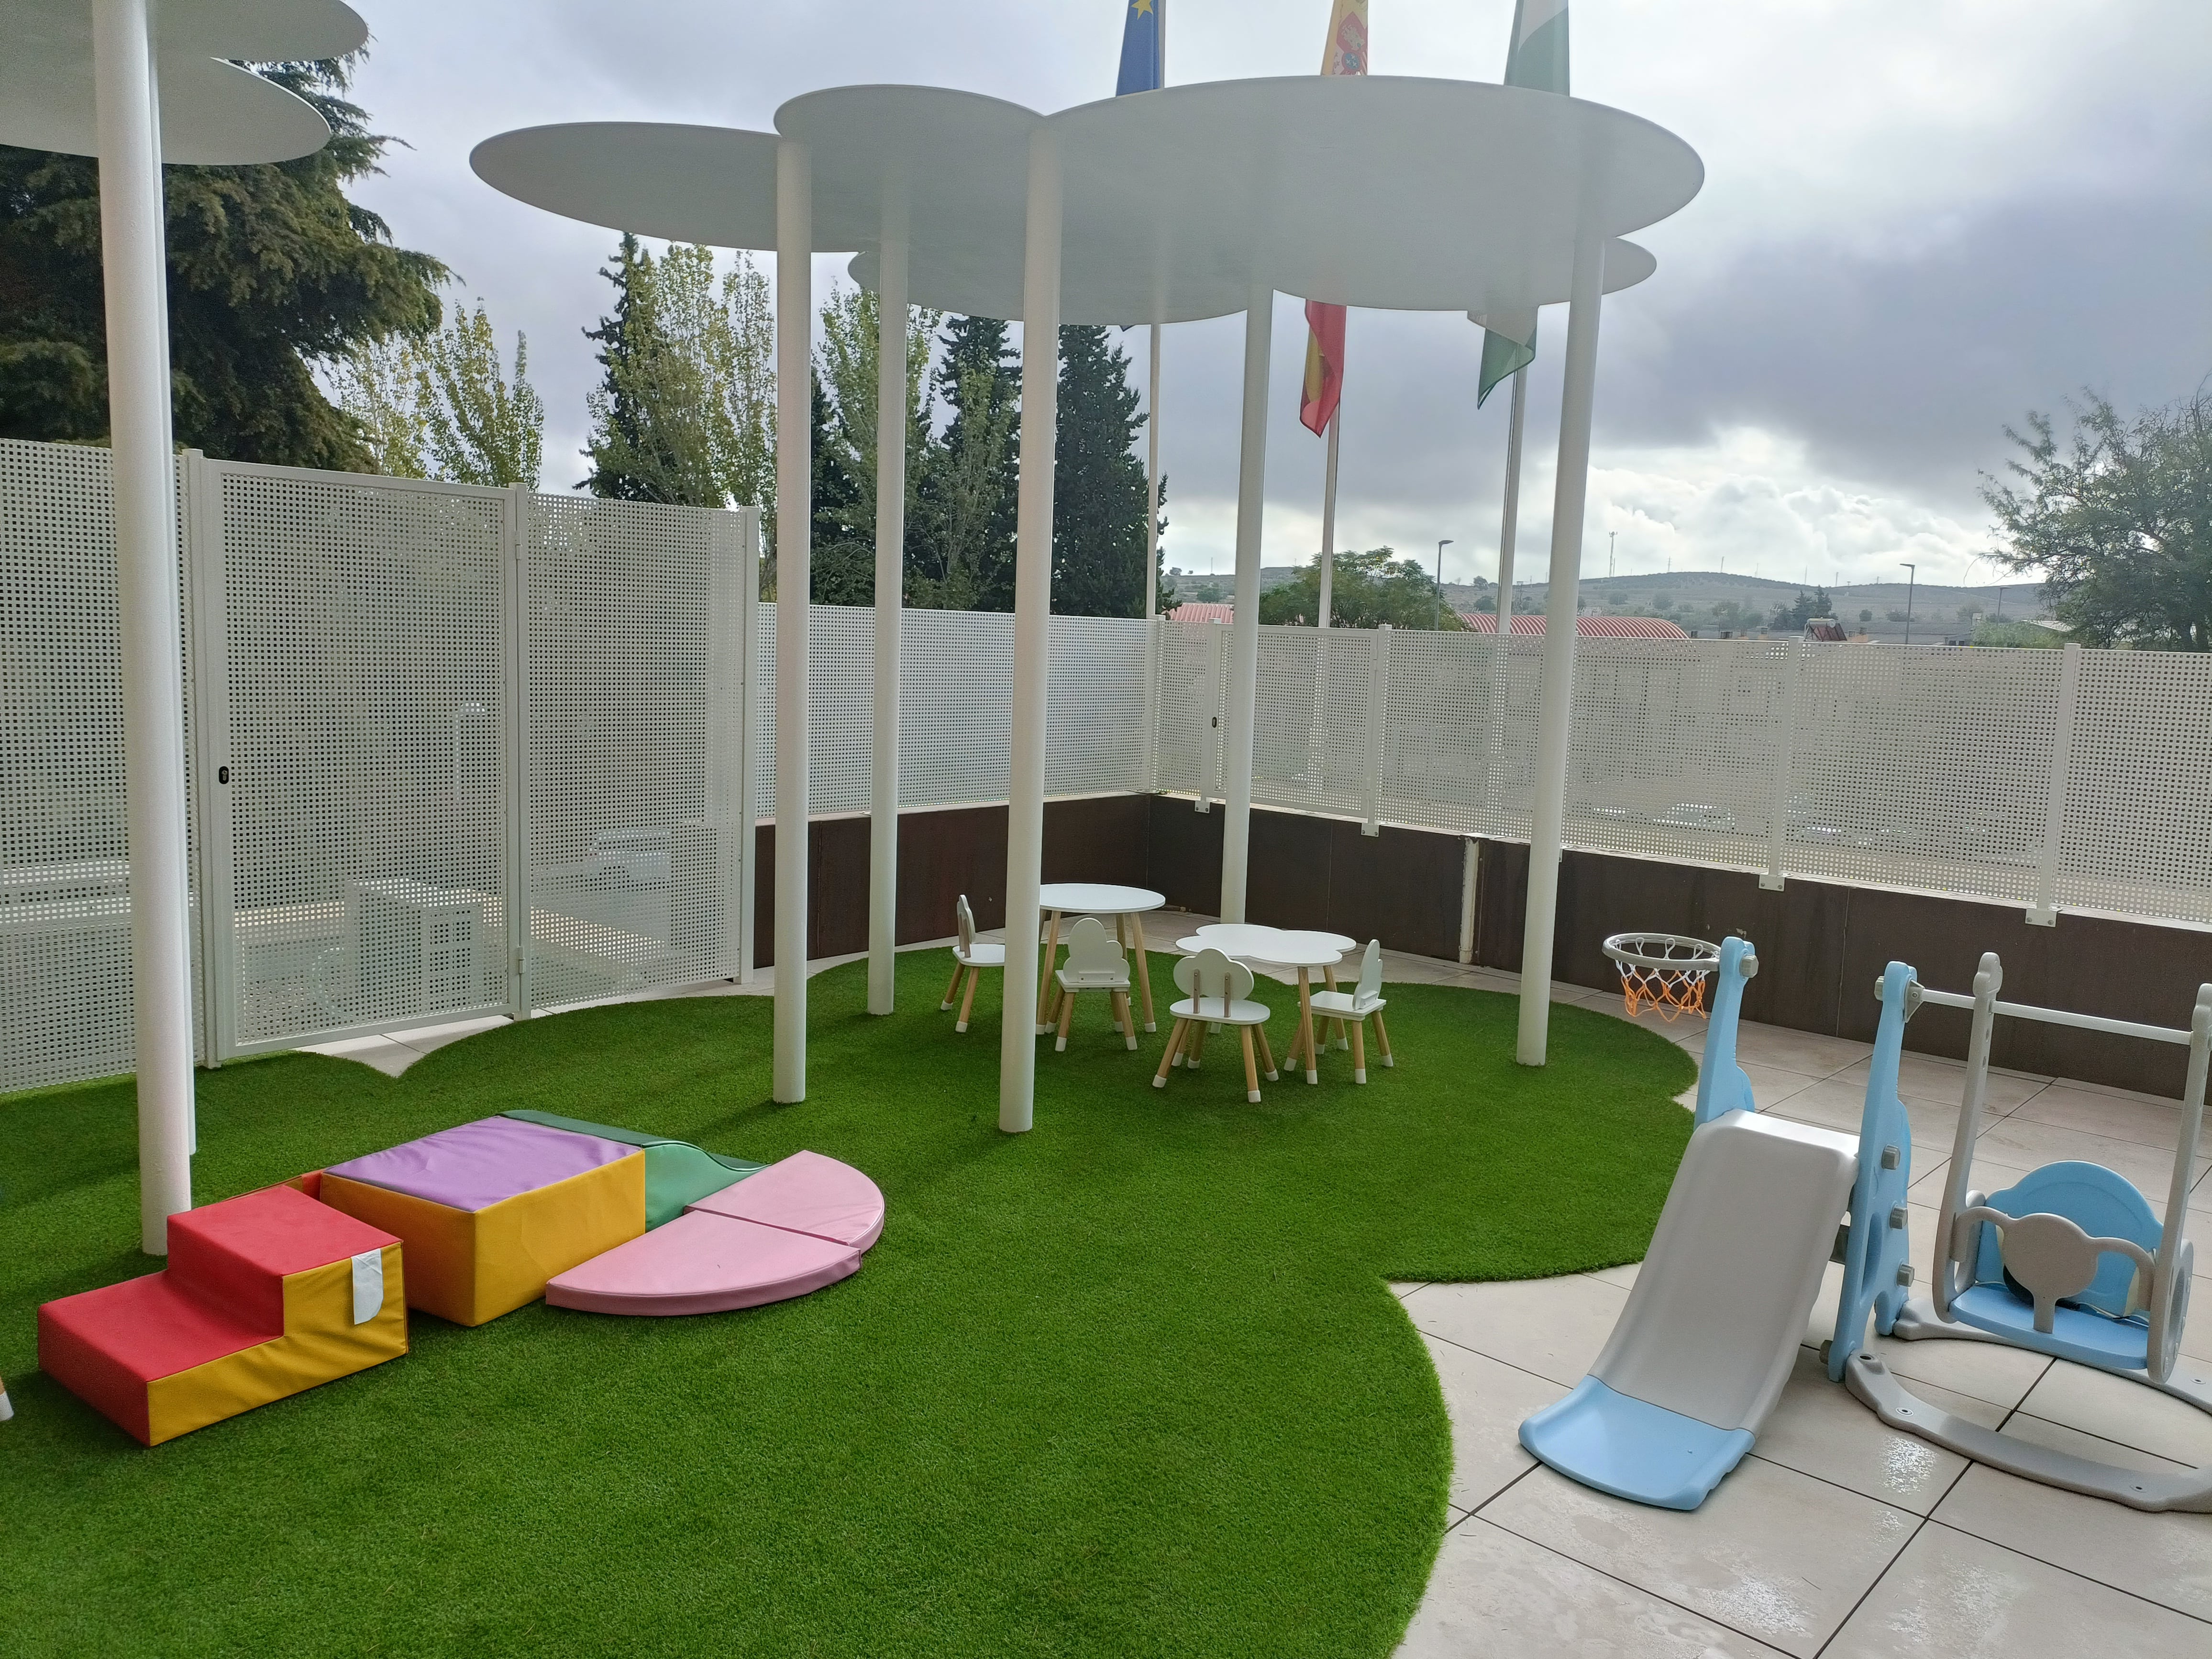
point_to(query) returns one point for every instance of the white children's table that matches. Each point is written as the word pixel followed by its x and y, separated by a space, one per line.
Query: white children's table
pixel 1125 905
pixel 1280 947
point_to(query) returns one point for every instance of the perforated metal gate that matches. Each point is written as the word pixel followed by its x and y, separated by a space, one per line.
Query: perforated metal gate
pixel 352 685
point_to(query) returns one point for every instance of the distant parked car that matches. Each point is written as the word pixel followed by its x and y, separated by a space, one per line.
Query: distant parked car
pixel 1696 815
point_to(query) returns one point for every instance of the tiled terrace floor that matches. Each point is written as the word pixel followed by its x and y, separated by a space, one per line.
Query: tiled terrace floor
pixel 1837 1538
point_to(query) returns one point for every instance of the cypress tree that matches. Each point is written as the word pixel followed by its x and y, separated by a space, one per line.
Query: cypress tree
pixel 842 551
pixel 1098 482
pixel 271 271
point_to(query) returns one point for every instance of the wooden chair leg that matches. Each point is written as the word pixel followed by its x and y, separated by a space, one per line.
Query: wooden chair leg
pixel 1196 1047
pixel 967 1002
pixel 1359 1051
pixel 1168 1057
pixel 1266 1054
pixel 1128 1024
pixel 953 990
pixel 1143 969
pixel 1383 1037
pixel 1066 1018
pixel 1251 1071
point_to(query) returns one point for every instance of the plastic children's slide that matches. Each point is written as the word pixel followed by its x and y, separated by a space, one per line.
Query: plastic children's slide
pixel 1711 1329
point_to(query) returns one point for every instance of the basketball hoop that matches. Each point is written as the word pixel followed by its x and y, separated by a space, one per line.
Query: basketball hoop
pixel 1665 972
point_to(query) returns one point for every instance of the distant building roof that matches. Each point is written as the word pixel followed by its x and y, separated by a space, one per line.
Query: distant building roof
pixel 1588 628
pixel 1826 629
pixel 1195 611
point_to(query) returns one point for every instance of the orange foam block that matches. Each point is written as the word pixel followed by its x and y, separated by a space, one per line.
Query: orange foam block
pixel 257 1302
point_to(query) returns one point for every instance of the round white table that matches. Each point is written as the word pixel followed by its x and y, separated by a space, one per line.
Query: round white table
pixel 1303 949
pixel 1125 905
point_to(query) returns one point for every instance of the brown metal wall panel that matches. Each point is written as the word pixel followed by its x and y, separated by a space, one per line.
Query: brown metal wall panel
pixel 1290 872
pixel 1401 886
pixel 1185 856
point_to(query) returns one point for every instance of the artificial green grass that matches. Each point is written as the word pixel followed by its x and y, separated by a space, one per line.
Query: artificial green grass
pixel 1129 1384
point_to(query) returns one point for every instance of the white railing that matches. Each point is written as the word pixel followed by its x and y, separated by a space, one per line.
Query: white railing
pixel 458 750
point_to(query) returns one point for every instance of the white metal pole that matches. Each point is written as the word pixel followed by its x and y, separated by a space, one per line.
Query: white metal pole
pixel 1244 620
pixel 1329 522
pixel 748 813
pixel 2044 912
pixel 1153 481
pixel 1555 727
pixel 135 267
pixel 1509 525
pixel 890 575
pixel 794 467
pixel 1032 629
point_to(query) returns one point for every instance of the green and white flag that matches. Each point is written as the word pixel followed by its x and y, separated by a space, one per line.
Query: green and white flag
pixel 1537 59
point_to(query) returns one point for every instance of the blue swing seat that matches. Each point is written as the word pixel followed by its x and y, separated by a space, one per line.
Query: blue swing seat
pixel 2096 1327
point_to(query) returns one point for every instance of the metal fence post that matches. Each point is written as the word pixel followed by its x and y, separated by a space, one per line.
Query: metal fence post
pixel 1378 698
pixel 2044 913
pixel 207 718
pixel 1217 693
pixel 1149 771
pixel 1785 738
pixel 515 742
pixel 748 815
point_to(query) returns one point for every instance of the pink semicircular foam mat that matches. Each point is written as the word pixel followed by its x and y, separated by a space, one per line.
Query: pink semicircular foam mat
pixel 703 1263
pixel 806 1193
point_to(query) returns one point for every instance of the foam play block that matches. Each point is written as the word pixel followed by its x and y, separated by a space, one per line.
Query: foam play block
pixel 490 1210
pixel 703 1263
pixel 806 1192
pixel 265 1295
pixel 676 1172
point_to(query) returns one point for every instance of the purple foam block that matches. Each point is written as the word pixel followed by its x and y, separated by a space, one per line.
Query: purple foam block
pixel 473 1166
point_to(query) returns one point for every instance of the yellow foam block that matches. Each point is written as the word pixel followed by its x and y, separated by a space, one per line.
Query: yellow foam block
pixel 321 1343
pixel 471 1265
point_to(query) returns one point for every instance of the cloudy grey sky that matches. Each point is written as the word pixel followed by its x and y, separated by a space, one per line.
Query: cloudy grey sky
pixel 1921 218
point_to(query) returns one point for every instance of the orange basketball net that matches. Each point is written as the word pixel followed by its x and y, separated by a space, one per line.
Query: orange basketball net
pixel 1665 972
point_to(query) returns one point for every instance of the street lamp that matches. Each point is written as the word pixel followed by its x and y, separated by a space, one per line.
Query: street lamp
pixel 1439 621
pixel 1909 581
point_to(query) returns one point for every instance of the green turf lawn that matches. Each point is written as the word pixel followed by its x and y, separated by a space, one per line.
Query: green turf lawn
pixel 1130 1384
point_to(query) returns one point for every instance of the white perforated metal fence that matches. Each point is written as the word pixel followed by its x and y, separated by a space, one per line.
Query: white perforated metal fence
pixel 1996 774
pixel 460 751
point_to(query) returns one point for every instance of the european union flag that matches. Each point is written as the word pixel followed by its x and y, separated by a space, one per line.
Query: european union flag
pixel 1143 51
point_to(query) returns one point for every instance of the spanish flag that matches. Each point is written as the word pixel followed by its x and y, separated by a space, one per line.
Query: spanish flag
pixel 1346 54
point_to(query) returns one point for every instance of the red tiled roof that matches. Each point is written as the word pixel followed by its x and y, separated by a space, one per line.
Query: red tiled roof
pixel 1195 611
pixel 1588 628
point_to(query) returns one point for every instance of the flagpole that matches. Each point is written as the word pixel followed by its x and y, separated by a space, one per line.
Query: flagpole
pixel 1329 520
pixel 1153 482
pixel 1507 525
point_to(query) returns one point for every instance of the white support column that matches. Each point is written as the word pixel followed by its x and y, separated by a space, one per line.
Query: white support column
pixel 1032 629
pixel 890 579
pixel 1501 639
pixel 1329 521
pixel 135 266
pixel 1244 622
pixel 794 467
pixel 1555 727
pixel 729 663
pixel 2044 913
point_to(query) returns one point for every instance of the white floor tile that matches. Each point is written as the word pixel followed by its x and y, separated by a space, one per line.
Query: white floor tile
pixel 1494 1596
pixel 1624 1276
pixel 1819 1429
pixel 1551 1327
pixel 2022 1143
pixel 1953 1596
pixel 381 1052
pixel 1487 1400
pixel 427 1039
pixel 1773 1553
pixel 1985 1370
pixel 2113 1408
pixel 1807 1052
pixel 1942 1082
pixel 1839 1102
pixel 2151 1122
pixel 2166 1558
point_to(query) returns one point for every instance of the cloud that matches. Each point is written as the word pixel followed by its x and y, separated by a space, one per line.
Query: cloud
pixel 1919 221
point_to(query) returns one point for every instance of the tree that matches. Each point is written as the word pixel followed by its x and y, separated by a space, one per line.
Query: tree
pixel 846 368
pixel 968 491
pixel 1865 616
pixel 2119 523
pixel 1365 589
pixel 1803 610
pixel 1098 540
pixel 438 405
pixel 272 271
pixel 685 412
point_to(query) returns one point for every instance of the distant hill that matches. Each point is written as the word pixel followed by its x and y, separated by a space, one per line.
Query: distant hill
pixel 1700 600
